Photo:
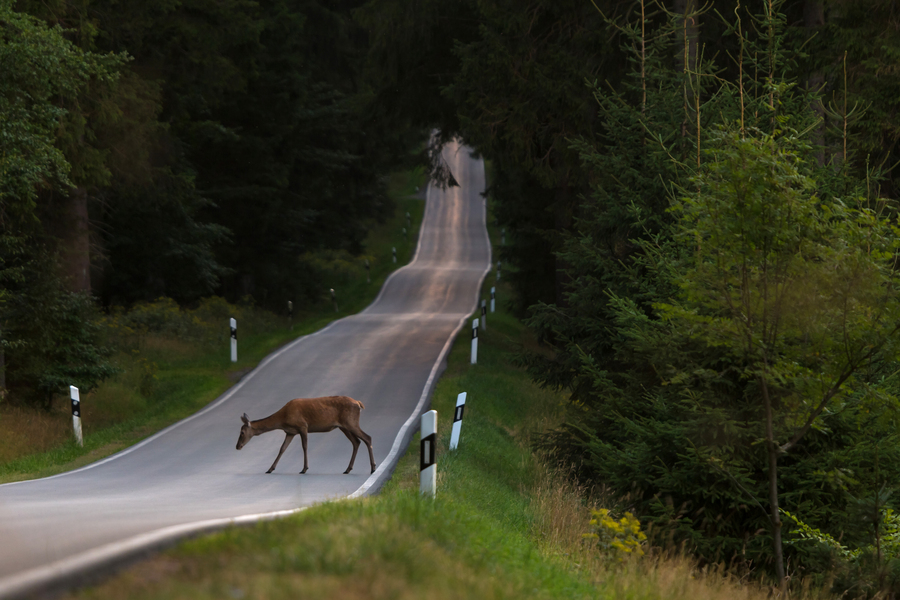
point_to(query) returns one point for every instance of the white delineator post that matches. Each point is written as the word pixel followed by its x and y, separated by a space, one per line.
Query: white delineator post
pixel 493 299
pixel 475 341
pixel 484 314
pixel 233 340
pixel 457 420
pixel 76 414
pixel 394 252
pixel 498 270
pixel 427 445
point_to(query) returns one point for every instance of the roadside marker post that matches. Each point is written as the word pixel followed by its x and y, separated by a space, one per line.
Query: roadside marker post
pixel 484 314
pixel 498 270
pixel 427 445
pixel 368 275
pixel 233 340
pixel 291 314
pixel 394 252
pixel 457 420
pixel 475 341
pixel 493 299
pixel 333 299
pixel 76 414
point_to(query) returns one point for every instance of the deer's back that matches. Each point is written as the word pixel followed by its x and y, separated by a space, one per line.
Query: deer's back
pixel 322 414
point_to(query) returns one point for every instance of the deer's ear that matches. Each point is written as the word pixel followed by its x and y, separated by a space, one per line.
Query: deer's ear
pixel 245 418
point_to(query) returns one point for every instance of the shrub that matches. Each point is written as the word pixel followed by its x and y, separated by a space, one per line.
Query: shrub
pixel 617 539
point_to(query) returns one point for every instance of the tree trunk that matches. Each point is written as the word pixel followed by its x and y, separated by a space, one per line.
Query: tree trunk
pixel 814 19
pixel 687 52
pixel 73 232
pixel 563 212
pixel 775 515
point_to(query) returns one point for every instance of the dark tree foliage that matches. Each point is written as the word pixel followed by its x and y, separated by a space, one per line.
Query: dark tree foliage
pixel 155 245
pixel 663 411
pixel 55 338
pixel 292 176
pixel 522 98
pixel 241 117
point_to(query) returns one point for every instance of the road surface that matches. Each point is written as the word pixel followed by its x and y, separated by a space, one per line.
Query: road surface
pixel 190 478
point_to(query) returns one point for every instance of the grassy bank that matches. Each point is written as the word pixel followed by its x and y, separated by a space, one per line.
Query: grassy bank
pixel 178 365
pixel 501 526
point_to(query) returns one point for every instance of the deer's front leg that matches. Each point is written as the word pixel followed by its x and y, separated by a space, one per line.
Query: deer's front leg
pixel 355 443
pixel 287 440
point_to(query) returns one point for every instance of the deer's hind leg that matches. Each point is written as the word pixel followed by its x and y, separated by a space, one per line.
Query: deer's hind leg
pixel 367 440
pixel 303 440
pixel 287 441
pixel 355 443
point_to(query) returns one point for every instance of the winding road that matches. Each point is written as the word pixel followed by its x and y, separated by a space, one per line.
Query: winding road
pixel 189 478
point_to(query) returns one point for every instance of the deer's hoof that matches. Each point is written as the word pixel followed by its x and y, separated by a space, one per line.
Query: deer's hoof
pixel 347 471
pixel 269 471
pixel 373 468
pixel 303 471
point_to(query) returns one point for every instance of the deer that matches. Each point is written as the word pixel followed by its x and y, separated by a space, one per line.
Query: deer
pixel 311 415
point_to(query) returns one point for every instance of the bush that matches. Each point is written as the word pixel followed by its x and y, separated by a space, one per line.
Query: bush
pixel 617 539
pixel 55 342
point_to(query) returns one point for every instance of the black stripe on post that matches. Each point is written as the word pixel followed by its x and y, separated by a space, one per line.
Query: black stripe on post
pixel 234 333
pixel 426 451
pixel 76 408
pixel 459 413
pixel 474 332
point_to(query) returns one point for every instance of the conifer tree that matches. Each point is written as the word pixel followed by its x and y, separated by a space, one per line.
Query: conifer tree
pixel 703 427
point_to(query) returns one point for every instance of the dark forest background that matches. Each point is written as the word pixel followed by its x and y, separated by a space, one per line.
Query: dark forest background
pixel 700 204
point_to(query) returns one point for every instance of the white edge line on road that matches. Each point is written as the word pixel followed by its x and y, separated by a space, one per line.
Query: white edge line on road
pixel 401 435
pixel 33 580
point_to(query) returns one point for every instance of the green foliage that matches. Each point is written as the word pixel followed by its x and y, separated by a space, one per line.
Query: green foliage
pixel 39 67
pixel 156 243
pixel 51 336
pixel 55 339
pixel 709 280
pixel 206 325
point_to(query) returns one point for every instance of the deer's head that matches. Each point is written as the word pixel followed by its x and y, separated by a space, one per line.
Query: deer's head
pixel 246 432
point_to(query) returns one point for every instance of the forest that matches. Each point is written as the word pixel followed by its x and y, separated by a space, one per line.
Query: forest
pixel 700 202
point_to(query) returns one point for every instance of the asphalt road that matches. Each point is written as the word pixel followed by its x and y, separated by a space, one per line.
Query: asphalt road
pixel 190 478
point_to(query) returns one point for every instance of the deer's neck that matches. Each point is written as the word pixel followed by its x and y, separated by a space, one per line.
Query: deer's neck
pixel 265 425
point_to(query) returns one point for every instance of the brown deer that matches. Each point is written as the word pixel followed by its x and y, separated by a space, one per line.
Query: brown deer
pixel 311 415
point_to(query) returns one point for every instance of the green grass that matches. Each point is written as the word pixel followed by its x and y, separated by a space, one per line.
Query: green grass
pixel 186 377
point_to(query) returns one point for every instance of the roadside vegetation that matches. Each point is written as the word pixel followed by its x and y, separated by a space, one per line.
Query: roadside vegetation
pixel 502 525
pixel 170 361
